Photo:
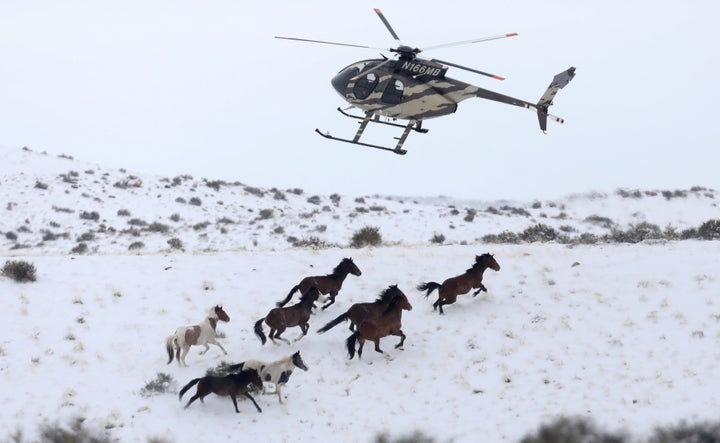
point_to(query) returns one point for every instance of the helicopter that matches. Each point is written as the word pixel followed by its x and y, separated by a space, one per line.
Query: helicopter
pixel 407 87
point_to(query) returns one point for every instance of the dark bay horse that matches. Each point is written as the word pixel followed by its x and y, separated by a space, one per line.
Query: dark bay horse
pixel 280 319
pixel 461 284
pixel 373 329
pixel 202 334
pixel 359 312
pixel 326 284
pixel 228 385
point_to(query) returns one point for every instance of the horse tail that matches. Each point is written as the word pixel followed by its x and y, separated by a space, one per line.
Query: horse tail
pixel 282 303
pixel 169 347
pixel 429 287
pixel 192 383
pixel 332 324
pixel 259 331
pixel 350 342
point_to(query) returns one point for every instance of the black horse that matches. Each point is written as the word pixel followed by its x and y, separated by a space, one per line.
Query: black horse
pixel 229 385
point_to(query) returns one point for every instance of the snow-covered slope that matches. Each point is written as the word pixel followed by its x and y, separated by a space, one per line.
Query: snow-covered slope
pixel 51 204
pixel 624 334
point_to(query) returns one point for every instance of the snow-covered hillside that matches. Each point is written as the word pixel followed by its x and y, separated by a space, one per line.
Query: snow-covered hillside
pixel 624 334
pixel 54 204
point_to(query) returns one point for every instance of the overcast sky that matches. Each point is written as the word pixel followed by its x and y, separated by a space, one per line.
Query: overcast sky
pixel 171 87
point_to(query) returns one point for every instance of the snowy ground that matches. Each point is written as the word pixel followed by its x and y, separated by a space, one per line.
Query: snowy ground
pixel 626 335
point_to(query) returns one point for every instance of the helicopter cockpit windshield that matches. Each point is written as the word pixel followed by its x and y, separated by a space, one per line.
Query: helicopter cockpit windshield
pixel 364 85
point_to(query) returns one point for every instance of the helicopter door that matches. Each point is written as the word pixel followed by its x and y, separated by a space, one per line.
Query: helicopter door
pixel 365 85
pixel 393 92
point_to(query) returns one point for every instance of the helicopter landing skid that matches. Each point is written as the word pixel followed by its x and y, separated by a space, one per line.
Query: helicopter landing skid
pixel 384 148
pixel 413 125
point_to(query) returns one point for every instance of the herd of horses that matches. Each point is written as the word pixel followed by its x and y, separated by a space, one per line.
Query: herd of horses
pixel 368 321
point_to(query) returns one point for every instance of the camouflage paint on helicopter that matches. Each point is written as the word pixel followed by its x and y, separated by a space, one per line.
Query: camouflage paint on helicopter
pixel 409 88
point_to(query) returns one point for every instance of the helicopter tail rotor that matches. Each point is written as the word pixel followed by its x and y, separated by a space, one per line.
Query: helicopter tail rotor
pixel 559 81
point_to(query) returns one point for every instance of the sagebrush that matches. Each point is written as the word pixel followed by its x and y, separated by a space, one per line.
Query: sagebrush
pixel 19 270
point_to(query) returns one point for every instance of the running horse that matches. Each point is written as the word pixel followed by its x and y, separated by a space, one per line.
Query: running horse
pixel 230 385
pixel 326 284
pixel 280 319
pixel 202 334
pixel 359 312
pixel 373 329
pixel 461 284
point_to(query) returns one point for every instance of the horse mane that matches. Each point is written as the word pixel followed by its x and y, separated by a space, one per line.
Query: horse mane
pixel 338 268
pixel 310 294
pixel 386 294
pixel 393 303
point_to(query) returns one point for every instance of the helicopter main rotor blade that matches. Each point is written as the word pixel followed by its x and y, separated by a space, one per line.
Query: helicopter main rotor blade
pixel 374 68
pixel 496 77
pixel 467 42
pixel 387 25
pixel 330 43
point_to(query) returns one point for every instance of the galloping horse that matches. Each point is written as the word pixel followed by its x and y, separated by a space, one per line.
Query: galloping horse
pixel 232 384
pixel 202 334
pixel 280 319
pixel 277 372
pixel 461 284
pixel 326 284
pixel 359 312
pixel 388 323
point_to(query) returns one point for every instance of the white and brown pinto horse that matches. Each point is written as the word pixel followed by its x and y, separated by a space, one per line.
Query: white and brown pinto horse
pixel 196 335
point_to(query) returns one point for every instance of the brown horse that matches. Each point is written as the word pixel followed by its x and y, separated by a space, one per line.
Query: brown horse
pixel 326 284
pixel 387 323
pixel 229 385
pixel 461 284
pixel 359 312
pixel 280 319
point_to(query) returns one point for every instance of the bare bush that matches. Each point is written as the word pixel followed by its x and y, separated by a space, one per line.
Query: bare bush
pixel 136 245
pixel 91 215
pixel 367 236
pixel 161 384
pixel 572 430
pixel 20 271
pixel 709 230
pixel 175 243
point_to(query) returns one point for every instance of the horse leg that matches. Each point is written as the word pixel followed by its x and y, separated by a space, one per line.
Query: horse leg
pixel 377 346
pixel 277 335
pixel 304 327
pixel 247 394
pixel 332 300
pixel 435 305
pixel 234 400
pixel 183 354
pixel 207 347
pixel 214 342
pixel 277 391
pixel 193 398
pixel 361 340
pixel 402 338
pixel 481 288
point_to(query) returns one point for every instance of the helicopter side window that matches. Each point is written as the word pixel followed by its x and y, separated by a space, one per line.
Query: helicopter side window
pixel 365 85
pixel 393 92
